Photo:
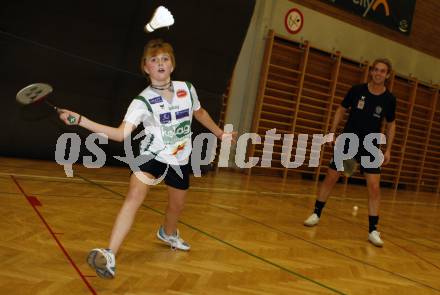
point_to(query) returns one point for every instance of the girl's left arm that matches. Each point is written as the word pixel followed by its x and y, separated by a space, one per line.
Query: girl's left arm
pixel 205 119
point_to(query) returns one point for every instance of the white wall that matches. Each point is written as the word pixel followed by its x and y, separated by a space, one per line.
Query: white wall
pixel 247 70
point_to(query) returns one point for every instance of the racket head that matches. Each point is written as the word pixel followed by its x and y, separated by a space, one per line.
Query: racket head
pixel 350 166
pixel 33 93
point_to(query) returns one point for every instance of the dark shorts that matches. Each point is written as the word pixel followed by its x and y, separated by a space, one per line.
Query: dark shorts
pixel 157 169
pixel 362 152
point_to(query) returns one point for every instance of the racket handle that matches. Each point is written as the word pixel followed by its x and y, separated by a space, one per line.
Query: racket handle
pixel 71 119
pixel 51 105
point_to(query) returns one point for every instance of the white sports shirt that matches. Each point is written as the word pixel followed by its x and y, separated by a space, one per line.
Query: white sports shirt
pixel 167 123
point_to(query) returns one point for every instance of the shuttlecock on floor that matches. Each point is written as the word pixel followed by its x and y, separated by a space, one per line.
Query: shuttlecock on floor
pixel 162 17
pixel 355 210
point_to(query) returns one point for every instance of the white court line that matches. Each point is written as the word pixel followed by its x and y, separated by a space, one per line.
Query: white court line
pixel 40 176
pixel 220 190
pixel 69 179
pixel 289 194
pixel 80 180
pixel 351 199
pixel 224 206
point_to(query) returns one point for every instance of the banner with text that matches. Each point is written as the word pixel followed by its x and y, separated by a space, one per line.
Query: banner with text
pixel 396 15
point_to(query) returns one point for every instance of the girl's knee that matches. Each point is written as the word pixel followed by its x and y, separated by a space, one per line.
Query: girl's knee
pixel 375 191
pixel 135 197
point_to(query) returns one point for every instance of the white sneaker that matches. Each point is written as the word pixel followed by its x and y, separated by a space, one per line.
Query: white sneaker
pixel 312 220
pixel 374 238
pixel 103 262
pixel 173 240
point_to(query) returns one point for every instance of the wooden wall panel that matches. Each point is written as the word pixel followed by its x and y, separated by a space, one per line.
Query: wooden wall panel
pixel 431 155
pixel 402 89
pixel 277 97
pixel 311 113
pixel 300 89
pixel 419 123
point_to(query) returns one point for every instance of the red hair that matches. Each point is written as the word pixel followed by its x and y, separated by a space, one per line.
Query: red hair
pixel 153 48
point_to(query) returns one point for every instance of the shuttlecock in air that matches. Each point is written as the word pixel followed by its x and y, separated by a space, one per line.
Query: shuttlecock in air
pixel 162 17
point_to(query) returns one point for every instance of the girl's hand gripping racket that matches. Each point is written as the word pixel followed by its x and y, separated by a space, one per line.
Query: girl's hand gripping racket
pixel 37 93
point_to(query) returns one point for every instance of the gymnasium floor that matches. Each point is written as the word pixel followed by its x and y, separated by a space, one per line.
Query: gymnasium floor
pixel 246 235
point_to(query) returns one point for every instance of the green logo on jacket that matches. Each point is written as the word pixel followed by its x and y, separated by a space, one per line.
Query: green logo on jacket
pixel 174 133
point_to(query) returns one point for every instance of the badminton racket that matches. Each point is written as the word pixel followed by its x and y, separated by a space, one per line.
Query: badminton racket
pixel 38 93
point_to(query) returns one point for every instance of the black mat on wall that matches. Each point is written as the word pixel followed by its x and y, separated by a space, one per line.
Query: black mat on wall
pixel 90 50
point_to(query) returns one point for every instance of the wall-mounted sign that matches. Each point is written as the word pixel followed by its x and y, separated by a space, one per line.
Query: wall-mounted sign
pixel 395 14
pixel 294 21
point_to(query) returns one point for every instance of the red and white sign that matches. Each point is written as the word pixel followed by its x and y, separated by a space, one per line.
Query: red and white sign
pixel 294 21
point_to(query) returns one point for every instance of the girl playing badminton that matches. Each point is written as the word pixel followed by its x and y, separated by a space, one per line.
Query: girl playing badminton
pixel 166 109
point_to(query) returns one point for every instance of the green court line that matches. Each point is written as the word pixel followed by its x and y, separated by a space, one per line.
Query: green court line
pixel 258 257
pixel 261 194
pixel 315 244
pixel 363 225
pixel 329 249
pixel 227 243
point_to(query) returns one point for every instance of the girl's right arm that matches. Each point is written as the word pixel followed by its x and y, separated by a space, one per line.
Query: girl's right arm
pixel 113 133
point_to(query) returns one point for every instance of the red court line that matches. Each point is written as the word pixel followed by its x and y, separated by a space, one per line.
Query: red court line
pixel 33 201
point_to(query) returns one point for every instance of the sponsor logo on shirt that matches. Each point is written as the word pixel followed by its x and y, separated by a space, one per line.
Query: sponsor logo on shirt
pixel 179 148
pixel 155 100
pixel 181 93
pixel 183 129
pixel 182 114
pixel 174 133
pixel 173 108
pixel 361 103
pixel 378 111
pixel 165 118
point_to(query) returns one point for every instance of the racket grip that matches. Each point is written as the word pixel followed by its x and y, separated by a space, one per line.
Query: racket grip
pixel 71 119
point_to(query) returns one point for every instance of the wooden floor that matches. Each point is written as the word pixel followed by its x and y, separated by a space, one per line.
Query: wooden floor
pixel 246 234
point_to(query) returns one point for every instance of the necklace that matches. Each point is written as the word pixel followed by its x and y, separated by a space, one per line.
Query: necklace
pixel 166 86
